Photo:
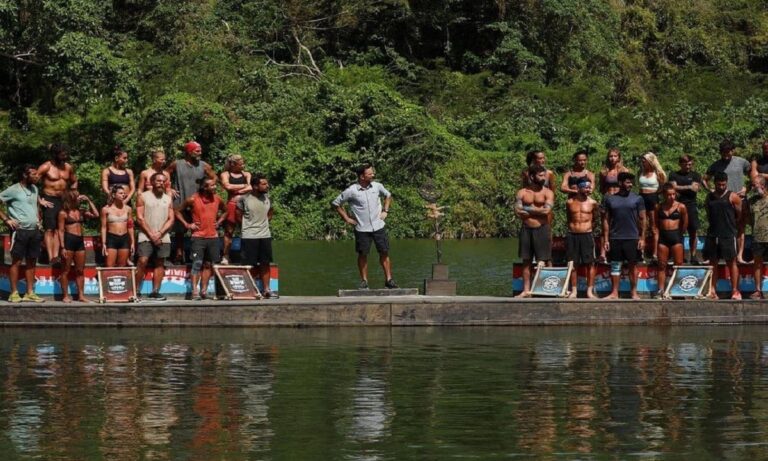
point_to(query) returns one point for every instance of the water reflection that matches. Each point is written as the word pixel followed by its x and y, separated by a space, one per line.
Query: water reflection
pixel 376 394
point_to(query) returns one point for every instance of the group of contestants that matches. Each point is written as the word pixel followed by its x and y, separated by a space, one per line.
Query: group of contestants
pixel 170 198
pixel 664 208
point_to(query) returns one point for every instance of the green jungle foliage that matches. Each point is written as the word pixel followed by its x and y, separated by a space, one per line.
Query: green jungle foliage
pixel 441 96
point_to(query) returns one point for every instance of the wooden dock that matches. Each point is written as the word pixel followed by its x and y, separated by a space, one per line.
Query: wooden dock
pixel 393 311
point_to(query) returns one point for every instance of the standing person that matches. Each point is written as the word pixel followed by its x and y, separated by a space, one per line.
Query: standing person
pixel 255 211
pixel 187 174
pixel 609 182
pixel 155 216
pixel 23 221
pixel 583 211
pixel 724 213
pixel 651 176
pixel 759 207
pixel 687 184
pixel 157 166
pixel 237 183
pixel 117 240
pixel 57 175
pixel 534 158
pixel 624 232
pixel 70 221
pixel 364 199
pixel 577 174
pixel 533 206
pixel 759 165
pixel 205 207
pixel 736 169
pixel 671 219
pixel 118 173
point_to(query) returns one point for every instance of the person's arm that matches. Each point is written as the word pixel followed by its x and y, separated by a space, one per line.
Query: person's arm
pixel 180 213
pixel 564 187
pixel 606 226
pixel 104 213
pixel 270 213
pixel 140 218
pixel 595 214
pixel 131 233
pixel 142 182
pixel 246 189
pixel 42 170
pixel 61 220
pixel 169 170
pixel 549 205
pixel 753 174
pixel 338 205
pixel 72 177
pixel 519 207
pixel 131 185
pixel 641 242
pixel 168 224
pixel 223 215
pixel 683 217
pixel 209 171
pixel 105 181
pixel 736 203
pixel 224 178
pixel 552 180
pixel 11 223
pixel 387 205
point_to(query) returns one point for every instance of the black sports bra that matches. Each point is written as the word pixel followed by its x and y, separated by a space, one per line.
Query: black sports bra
pixel 68 220
pixel 674 216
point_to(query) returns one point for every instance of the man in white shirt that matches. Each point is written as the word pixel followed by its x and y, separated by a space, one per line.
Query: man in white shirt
pixel 364 198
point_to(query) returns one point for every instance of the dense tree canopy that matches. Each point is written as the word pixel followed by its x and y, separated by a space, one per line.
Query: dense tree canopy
pixel 446 94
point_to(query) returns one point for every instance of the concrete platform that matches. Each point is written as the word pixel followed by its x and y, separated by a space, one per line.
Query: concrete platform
pixel 378 292
pixel 390 311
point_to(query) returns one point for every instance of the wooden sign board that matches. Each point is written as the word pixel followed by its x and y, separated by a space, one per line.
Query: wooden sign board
pixel 551 281
pixel 689 282
pixel 117 284
pixel 236 282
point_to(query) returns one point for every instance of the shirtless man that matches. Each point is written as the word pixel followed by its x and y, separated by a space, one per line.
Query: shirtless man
pixel 57 175
pixel 158 166
pixel 583 211
pixel 534 207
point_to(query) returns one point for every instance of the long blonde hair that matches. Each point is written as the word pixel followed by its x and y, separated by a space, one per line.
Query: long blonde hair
pixel 654 161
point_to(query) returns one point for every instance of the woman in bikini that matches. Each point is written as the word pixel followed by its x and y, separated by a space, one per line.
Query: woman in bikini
pixel 609 182
pixel 237 183
pixel 118 174
pixel 650 177
pixel 577 173
pixel 672 220
pixel 117 240
pixel 70 226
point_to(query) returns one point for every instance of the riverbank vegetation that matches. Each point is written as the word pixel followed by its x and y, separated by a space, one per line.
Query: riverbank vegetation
pixel 443 97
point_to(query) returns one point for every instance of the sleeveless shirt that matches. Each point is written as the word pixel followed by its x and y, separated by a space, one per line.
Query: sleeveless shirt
pixel 722 216
pixel 186 179
pixel 155 214
pixel 204 213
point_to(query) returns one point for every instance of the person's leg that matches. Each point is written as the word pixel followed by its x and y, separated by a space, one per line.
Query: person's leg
pixel 527 263
pixel 158 274
pixel 80 275
pixel 692 243
pixel 757 268
pixel 205 278
pixel 141 269
pixel 122 258
pixel 13 274
pixel 661 269
pixel 362 266
pixel 574 282
pixel 591 281
pixel 111 257
pixel 733 267
pixel 229 232
pixel 29 274
pixel 52 244
pixel 655 235
pixel 197 251
pixel 64 280
pixel 178 240
pixel 616 256
pixel 633 280
pixel 742 235
pixel 386 265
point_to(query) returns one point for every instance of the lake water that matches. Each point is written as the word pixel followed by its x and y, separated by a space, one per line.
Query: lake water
pixel 384 394
pixel 481 267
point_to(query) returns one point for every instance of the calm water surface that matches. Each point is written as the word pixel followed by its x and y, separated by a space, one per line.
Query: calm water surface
pixel 481 267
pixel 384 394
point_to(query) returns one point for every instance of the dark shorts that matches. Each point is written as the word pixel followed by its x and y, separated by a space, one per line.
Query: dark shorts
pixel 203 249
pixel 118 242
pixel 580 248
pixel 26 243
pixel 363 241
pixel 760 250
pixel 650 201
pixel 693 216
pixel 624 250
pixel 670 238
pixel 719 248
pixel 73 242
pixel 51 215
pixel 256 251
pixel 535 242
pixel 150 250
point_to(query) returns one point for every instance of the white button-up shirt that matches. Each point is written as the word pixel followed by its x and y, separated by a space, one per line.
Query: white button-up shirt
pixel 365 203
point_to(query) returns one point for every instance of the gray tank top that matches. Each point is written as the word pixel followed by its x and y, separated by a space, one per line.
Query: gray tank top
pixel 155 214
pixel 187 177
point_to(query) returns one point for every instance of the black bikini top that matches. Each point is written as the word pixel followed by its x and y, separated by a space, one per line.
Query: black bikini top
pixel 674 216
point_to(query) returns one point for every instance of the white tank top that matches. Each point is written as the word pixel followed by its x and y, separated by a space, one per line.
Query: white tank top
pixel 155 214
